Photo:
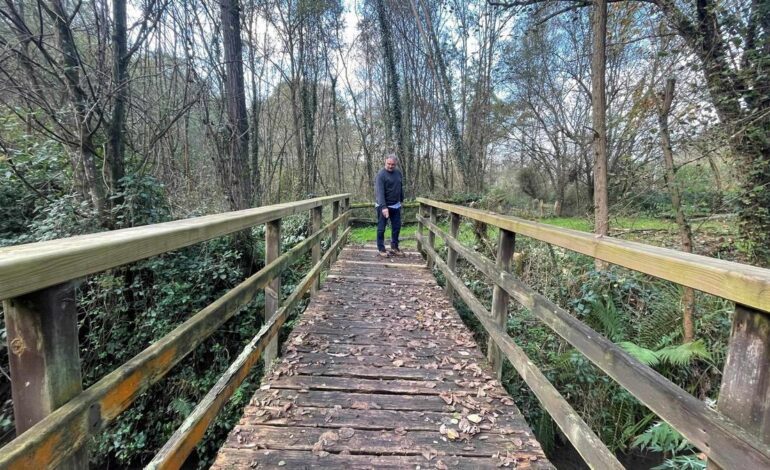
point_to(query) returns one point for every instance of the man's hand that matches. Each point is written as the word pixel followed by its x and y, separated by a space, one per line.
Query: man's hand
pixel 385 213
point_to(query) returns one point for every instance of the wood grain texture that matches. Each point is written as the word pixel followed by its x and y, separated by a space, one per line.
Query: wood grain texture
pixel 744 284
pixel 27 268
pixel 718 437
pixel 379 370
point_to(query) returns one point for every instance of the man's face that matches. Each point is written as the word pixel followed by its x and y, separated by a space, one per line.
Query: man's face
pixel 390 164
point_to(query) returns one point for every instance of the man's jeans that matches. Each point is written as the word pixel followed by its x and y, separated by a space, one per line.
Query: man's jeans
pixel 395 228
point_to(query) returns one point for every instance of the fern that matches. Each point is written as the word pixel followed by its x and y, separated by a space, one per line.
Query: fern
pixel 683 354
pixel 682 462
pixel 612 320
pixel 661 437
pixel 643 355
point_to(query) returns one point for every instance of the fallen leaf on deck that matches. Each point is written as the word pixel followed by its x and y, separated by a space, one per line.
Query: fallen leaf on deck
pixel 346 433
pixel 476 419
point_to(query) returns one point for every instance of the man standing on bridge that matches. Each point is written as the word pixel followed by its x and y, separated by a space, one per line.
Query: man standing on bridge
pixel 388 196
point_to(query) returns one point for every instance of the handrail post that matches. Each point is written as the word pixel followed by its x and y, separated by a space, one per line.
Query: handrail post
pixel 335 214
pixel 746 376
pixel 451 259
pixel 500 297
pixel 316 216
pixel 273 288
pixel 421 210
pixel 347 209
pixel 431 235
pixel 44 356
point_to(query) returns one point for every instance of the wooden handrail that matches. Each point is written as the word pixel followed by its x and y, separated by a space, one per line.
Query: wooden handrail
pixel 729 443
pixel 747 285
pixel 721 439
pixel 31 267
pixel 191 431
pixel 59 435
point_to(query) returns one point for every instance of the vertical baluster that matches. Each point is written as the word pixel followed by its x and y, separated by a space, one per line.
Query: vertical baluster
pixel 44 356
pixel 743 396
pixel 451 259
pixel 316 216
pixel 431 235
pixel 506 242
pixel 335 214
pixel 273 288
pixel 422 211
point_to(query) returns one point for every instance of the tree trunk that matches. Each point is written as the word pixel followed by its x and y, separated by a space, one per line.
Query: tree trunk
pixel 664 109
pixel 85 150
pixel 394 93
pixel 115 156
pixel 235 175
pixel 599 116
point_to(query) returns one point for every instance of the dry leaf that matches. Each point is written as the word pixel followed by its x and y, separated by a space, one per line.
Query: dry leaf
pixel 346 433
pixel 398 363
pixel 452 434
pixel 475 419
pixel 360 405
pixel 400 431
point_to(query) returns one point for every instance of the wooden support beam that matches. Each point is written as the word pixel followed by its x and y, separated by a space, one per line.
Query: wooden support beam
pixel 273 288
pixel 44 356
pixel 335 214
pixel 316 217
pixel 421 212
pixel 744 395
pixel 451 259
pixel 431 235
pixel 500 298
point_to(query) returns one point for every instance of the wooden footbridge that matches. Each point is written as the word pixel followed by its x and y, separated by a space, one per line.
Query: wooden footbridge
pixel 380 372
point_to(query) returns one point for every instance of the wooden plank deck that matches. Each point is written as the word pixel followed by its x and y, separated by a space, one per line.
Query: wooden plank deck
pixel 380 372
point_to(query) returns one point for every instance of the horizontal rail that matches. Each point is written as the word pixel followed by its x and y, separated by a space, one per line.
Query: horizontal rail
pixel 191 431
pixel 594 452
pixel 31 267
pixel 61 433
pixel 747 285
pixel 370 205
pixel 719 438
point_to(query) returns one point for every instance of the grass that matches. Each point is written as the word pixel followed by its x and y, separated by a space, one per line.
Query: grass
pixel 368 234
pixel 631 223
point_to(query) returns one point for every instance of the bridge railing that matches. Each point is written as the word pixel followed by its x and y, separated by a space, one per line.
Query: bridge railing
pixel 736 435
pixel 54 416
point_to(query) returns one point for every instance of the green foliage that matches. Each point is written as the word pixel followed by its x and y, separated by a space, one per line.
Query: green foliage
pixel 661 437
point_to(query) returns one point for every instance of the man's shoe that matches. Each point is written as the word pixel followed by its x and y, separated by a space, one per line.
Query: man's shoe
pixel 384 254
pixel 397 252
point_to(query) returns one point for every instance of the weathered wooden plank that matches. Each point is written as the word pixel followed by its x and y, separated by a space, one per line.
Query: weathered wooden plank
pixel 499 312
pixel 44 357
pixel 372 401
pixel 582 437
pixel 175 451
pixel 718 437
pixel 27 268
pixel 248 458
pixel 316 217
pixel 744 395
pixel 273 288
pixel 454 229
pixel 377 263
pixel 744 284
pixel 382 373
pixel 388 442
pixel 377 420
pixel 421 387
pixel 62 432
pixel 378 280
